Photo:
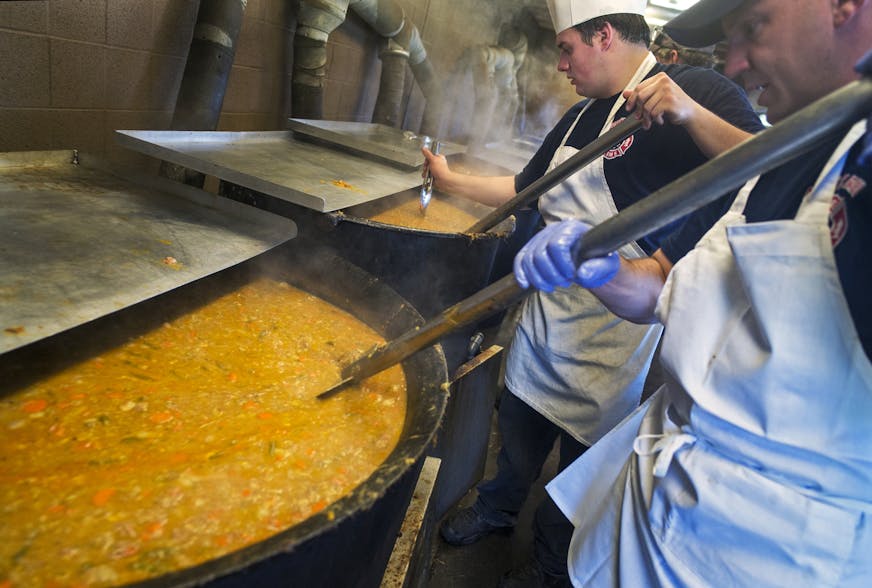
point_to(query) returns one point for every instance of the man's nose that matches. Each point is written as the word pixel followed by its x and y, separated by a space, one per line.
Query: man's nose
pixel 735 63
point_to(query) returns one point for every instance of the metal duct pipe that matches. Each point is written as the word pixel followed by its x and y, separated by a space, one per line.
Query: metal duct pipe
pixel 204 82
pixel 484 62
pixel 504 108
pixel 318 18
pixel 388 19
pixel 429 82
pixel 392 85
pixel 431 87
pixel 495 92
pixel 515 41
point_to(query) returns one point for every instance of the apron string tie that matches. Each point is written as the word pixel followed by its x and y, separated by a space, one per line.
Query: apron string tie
pixel 666 444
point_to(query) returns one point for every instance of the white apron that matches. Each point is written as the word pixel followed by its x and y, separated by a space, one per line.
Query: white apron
pixel 571 359
pixel 754 466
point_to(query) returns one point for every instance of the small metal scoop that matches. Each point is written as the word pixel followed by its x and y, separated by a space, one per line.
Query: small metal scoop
pixel 427 184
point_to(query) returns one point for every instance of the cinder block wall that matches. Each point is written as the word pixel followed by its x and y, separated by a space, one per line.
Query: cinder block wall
pixel 73 71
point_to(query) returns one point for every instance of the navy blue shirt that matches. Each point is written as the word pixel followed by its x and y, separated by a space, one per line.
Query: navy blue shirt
pixel 649 159
pixel 778 195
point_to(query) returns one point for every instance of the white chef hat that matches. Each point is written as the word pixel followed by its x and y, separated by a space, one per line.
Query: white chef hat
pixel 568 13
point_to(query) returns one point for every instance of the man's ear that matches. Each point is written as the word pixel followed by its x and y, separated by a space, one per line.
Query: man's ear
pixel 604 36
pixel 845 10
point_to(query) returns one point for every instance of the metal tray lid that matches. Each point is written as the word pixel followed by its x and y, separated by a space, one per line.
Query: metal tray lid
pixel 276 163
pixel 80 241
pixel 371 140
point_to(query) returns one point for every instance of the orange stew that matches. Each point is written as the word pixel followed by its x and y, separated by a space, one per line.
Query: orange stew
pixel 189 442
pixel 442 215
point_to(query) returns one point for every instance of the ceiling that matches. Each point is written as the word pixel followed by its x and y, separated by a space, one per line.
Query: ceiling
pixel 657 13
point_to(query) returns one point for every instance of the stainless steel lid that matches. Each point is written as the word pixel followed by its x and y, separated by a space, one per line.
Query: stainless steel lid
pixel 79 241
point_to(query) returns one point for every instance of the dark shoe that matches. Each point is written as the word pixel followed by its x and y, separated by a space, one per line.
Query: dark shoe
pixel 467 526
pixel 531 575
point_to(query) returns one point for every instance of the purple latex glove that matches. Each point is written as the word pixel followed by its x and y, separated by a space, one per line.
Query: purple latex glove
pixel 546 260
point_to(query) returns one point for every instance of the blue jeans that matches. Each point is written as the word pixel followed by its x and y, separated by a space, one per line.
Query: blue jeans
pixel 527 439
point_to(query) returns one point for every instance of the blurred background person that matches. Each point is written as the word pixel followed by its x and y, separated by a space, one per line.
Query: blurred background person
pixel 668 51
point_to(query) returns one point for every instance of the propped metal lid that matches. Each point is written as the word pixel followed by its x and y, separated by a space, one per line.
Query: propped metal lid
pixel 79 242
pixel 370 140
pixel 277 163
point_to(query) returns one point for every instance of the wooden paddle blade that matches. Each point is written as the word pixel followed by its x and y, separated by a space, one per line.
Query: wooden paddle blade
pixel 492 299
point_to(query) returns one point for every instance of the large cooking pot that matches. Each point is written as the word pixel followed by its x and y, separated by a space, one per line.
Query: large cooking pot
pixel 351 546
pixel 432 270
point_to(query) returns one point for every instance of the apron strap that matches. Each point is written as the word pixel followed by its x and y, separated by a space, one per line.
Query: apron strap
pixel 647 65
pixel 666 444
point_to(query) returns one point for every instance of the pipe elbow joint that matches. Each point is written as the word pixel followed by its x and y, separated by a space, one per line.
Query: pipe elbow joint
pixel 316 19
pixel 417 53
pixel 392 48
pixel 385 16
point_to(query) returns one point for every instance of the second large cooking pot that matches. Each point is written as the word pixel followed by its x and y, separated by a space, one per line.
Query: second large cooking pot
pixel 432 269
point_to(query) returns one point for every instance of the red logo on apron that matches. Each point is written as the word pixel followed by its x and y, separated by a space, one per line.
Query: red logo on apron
pixel 619 150
pixel 851 184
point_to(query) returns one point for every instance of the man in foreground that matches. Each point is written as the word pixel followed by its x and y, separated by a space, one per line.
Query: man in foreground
pixel 751 466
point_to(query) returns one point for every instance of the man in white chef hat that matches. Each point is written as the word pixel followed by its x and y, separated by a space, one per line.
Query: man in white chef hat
pixel 574 369
pixel 751 466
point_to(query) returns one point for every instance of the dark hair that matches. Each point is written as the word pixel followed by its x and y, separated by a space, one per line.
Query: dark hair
pixel 697 58
pixel 631 27
pixel 663 45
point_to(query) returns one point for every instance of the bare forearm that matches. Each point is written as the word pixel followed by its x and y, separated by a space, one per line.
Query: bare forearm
pixel 632 294
pixel 488 190
pixel 712 134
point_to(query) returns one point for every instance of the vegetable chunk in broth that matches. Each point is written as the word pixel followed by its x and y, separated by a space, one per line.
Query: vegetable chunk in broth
pixel 190 441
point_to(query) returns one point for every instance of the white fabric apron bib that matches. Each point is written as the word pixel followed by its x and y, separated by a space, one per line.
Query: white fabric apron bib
pixel 754 466
pixel 571 359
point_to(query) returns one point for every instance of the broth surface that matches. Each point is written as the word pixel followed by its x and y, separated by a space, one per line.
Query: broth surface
pixel 190 441
pixel 442 215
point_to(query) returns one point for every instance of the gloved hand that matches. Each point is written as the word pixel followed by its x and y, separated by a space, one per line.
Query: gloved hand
pixel 546 260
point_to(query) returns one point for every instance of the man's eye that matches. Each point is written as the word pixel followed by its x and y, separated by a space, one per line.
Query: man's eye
pixel 751 29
